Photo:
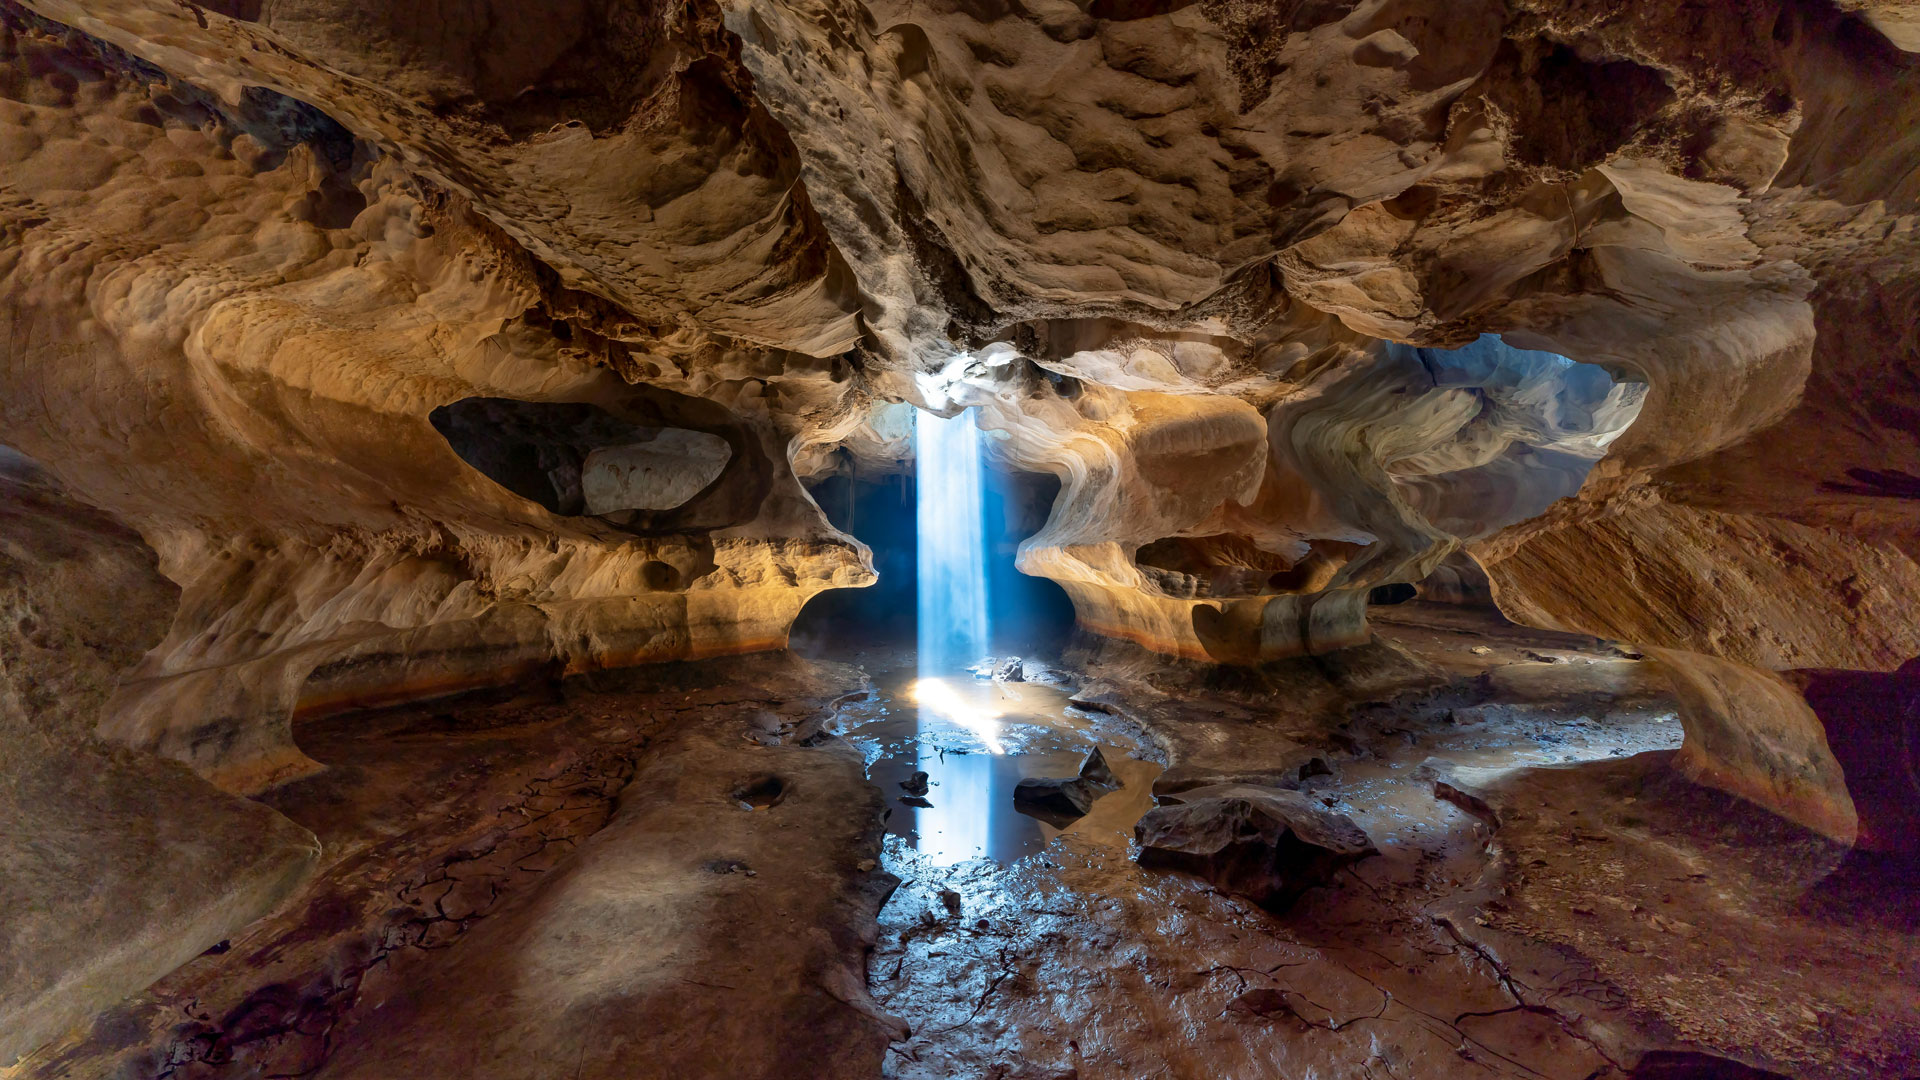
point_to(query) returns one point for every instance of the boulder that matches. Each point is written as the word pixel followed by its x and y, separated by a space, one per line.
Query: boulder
pixel 1060 800
pixel 1095 770
pixel 1266 844
pixel 1053 799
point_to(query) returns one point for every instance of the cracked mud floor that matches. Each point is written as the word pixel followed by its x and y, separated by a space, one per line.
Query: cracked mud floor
pixel 1579 912
pixel 688 871
pixel 660 872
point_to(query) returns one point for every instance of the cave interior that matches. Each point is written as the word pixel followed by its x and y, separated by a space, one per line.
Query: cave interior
pixel 1030 540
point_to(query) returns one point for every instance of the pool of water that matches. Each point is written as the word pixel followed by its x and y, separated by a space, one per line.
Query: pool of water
pixel 976 738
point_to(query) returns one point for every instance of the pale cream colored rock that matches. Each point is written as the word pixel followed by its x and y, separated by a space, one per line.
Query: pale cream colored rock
pixel 659 474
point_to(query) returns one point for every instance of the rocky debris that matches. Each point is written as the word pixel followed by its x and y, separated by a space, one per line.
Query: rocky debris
pixel 765 727
pixel 1062 800
pixel 1455 785
pixel 1266 844
pixel 915 784
pixel 1010 670
pixel 1298 771
pixel 1055 800
pixel 1096 771
pixel 1465 799
pixel 916 800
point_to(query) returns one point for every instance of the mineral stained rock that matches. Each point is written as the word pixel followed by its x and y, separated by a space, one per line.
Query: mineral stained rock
pixel 1200 266
pixel 1266 844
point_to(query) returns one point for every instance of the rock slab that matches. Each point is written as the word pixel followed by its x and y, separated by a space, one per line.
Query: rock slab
pixel 1266 844
pixel 1061 800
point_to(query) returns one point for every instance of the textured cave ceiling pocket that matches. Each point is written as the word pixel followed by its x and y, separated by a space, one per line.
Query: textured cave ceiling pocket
pixel 1394 593
pixel 664 463
pixel 1570 111
pixel 1539 422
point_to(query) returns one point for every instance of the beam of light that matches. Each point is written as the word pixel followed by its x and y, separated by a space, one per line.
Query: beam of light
pixel 936 696
pixel 952 544
pixel 952 610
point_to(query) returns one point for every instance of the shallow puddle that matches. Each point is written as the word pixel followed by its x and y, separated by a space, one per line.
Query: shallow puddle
pixel 976 738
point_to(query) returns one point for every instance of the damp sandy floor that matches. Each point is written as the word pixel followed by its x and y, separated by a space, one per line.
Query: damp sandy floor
pixel 709 870
pixel 1594 917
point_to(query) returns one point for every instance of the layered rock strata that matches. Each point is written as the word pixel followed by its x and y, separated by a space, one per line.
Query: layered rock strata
pixel 119 866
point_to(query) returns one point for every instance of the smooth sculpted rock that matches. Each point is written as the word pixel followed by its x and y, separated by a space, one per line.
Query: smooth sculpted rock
pixel 1266 844
pixel 658 474
pixel 1053 799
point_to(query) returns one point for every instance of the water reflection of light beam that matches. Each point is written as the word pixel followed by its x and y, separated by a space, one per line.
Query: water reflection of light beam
pixel 940 698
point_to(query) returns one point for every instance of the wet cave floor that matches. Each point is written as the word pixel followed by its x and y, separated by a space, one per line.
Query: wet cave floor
pixel 713 869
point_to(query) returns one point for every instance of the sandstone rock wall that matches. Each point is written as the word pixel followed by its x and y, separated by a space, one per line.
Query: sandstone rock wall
pixel 252 247
pixel 236 344
pixel 119 866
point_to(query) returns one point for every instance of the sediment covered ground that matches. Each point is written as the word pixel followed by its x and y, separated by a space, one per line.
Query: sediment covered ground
pixel 682 868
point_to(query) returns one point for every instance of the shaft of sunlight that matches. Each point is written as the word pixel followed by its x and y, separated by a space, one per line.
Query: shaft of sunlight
pixel 952 544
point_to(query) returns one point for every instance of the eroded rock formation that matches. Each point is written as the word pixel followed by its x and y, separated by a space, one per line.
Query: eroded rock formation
pixel 432 348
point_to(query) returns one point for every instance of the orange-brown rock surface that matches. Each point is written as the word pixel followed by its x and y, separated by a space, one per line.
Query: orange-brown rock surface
pixel 383 328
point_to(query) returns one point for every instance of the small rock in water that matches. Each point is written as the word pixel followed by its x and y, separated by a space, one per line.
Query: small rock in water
pixel 1053 799
pixel 951 899
pixel 1096 771
pixel 1010 671
pixel 915 784
pixel 916 800
pixel 1266 844
pixel 1059 800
